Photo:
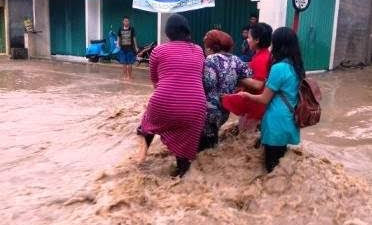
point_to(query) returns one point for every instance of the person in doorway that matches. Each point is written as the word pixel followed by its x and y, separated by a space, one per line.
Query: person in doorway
pixel 223 72
pixel 253 20
pixel 246 52
pixel 176 111
pixel 259 41
pixel 278 124
pixel 128 47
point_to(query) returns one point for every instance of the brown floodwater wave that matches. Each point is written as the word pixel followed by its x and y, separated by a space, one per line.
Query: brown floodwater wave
pixel 227 185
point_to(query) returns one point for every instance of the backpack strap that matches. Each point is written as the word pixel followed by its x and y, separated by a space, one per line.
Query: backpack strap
pixel 283 97
pixel 286 102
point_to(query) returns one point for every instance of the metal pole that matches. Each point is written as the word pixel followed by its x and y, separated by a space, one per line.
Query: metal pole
pixel 159 28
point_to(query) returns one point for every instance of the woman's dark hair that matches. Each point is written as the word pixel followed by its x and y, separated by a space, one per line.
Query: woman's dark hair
pixel 286 46
pixel 254 15
pixel 246 28
pixel 262 32
pixel 178 28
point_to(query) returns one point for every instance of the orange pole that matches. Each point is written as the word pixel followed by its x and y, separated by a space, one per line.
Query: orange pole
pixel 296 21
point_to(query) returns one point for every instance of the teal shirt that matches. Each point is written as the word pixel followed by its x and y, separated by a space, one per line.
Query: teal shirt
pixel 278 126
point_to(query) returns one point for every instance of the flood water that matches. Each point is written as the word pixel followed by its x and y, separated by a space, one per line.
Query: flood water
pixel 67 131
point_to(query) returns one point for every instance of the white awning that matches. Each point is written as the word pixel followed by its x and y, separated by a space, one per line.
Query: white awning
pixel 172 6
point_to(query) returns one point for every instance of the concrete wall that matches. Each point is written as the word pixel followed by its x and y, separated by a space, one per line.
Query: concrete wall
pixel 93 20
pixel 17 11
pixel 353 31
pixel 39 42
pixel 273 12
pixel 2 5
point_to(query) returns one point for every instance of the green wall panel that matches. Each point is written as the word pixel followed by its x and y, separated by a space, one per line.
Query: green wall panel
pixel 67 26
pixel 315 32
pixel 229 16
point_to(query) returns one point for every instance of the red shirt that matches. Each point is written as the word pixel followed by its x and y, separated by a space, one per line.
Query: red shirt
pixel 260 66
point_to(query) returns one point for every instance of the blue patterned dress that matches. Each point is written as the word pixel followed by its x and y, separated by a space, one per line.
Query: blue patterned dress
pixel 222 73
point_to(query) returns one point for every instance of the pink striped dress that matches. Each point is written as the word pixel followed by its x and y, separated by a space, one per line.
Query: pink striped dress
pixel 176 110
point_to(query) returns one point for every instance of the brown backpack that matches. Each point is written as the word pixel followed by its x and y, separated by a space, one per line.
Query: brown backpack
pixel 308 111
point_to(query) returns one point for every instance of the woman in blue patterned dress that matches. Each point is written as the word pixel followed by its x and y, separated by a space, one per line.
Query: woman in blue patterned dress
pixel 223 72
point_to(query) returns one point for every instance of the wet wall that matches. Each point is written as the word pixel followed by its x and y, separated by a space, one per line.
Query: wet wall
pixel 18 11
pixel 354 31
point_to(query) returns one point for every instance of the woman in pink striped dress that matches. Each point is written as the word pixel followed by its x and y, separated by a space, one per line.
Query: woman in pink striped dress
pixel 176 111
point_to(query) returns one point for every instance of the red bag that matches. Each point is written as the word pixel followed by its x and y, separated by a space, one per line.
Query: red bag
pixel 308 111
pixel 235 103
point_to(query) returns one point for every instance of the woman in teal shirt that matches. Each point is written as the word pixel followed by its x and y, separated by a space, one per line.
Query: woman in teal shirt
pixel 278 125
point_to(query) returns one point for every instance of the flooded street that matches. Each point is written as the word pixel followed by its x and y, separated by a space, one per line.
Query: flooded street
pixel 345 131
pixel 67 130
pixel 54 134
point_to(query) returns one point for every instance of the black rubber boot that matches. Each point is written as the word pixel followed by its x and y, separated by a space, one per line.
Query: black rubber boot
pixel 183 165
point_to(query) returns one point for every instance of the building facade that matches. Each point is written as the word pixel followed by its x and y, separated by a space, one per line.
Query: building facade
pixel 12 16
pixel 65 28
pixel 330 32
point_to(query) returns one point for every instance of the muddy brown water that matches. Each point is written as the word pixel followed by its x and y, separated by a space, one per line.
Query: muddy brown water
pixel 67 130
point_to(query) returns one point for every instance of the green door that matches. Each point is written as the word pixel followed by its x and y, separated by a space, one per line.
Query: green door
pixel 315 33
pixel 229 16
pixel 145 23
pixel 67 27
pixel 2 30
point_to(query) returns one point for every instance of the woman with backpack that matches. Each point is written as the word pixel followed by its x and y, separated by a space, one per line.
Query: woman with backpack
pixel 278 126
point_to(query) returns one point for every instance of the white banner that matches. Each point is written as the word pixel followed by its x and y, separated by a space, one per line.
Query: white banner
pixel 171 6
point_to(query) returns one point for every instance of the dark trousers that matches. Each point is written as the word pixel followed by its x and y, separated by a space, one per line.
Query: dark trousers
pixel 209 141
pixel 273 155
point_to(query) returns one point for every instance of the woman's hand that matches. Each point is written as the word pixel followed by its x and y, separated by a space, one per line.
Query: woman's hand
pixel 239 89
pixel 263 98
pixel 244 94
pixel 252 84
